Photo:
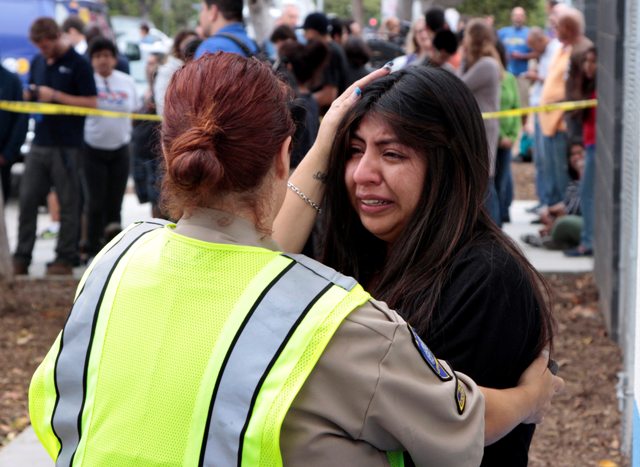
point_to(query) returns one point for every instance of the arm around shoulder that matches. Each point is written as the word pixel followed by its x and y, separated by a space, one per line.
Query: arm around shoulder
pixel 526 403
pixel 435 414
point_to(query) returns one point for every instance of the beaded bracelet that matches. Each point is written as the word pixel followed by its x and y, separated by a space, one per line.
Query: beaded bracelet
pixel 304 197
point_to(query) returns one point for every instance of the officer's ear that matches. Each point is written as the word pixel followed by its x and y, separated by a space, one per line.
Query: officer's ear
pixel 283 159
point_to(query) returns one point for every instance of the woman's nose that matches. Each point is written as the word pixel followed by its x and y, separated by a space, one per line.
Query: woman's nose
pixel 367 170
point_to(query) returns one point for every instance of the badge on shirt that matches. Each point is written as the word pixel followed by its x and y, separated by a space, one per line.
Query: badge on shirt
pixel 461 396
pixel 428 357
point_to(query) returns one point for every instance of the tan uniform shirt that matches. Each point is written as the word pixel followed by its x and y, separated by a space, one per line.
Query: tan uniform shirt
pixel 371 391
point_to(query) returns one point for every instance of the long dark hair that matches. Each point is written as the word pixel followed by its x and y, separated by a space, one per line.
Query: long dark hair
pixel 434 113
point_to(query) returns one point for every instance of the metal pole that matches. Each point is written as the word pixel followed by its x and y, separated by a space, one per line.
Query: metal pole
pixel 166 8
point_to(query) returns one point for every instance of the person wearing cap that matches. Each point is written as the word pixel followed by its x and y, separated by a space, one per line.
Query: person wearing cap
pixel 334 77
pixel 221 22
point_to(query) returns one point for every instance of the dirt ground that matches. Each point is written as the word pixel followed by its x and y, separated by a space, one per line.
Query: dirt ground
pixel 583 429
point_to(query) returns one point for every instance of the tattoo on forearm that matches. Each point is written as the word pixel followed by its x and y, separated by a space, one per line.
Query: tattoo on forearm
pixel 321 176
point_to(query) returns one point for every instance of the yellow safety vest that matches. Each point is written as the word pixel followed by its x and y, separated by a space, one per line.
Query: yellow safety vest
pixel 183 352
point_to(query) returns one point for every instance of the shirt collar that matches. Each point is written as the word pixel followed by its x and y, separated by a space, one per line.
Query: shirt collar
pixel 213 225
pixel 233 27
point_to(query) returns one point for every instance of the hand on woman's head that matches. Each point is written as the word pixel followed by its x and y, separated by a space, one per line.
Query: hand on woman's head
pixel 341 105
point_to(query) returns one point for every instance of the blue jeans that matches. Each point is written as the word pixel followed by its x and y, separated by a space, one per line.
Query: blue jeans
pixel 538 160
pixel 556 169
pixel 504 183
pixel 586 197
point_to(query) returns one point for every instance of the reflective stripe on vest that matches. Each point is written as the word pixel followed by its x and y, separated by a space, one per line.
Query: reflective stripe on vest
pixel 70 372
pixel 264 333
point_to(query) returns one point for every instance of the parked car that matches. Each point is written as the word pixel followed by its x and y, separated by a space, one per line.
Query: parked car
pixel 128 39
pixel 16 51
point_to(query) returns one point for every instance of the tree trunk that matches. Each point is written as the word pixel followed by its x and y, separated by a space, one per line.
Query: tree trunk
pixel 6 265
pixel 261 19
pixel 404 9
pixel 425 5
pixel 357 9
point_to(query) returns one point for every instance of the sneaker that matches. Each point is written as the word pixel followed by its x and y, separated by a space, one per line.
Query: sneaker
pixel 549 244
pixel 578 252
pixel 20 268
pixel 534 209
pixel 59 268
pixel 51 231
pixel 532 239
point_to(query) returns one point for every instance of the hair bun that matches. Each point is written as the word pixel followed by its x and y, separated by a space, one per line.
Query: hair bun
pixel 194 160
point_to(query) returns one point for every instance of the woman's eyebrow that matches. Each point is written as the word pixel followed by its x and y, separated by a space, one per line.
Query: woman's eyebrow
pixel 378 142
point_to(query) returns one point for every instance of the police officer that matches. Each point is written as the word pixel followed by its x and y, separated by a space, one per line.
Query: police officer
pixel 198 343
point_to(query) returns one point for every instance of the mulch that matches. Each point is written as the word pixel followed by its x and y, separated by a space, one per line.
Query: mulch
pixel 582 429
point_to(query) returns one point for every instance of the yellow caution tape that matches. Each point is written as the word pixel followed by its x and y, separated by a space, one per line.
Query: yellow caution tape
pixel 59 109
pixel 571 105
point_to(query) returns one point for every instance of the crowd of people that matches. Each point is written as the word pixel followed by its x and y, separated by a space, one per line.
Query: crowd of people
pixel 391 177
pixel 515 66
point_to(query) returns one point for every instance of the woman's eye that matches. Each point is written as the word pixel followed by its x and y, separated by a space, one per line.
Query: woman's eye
pixel 394 155
pixel 355 151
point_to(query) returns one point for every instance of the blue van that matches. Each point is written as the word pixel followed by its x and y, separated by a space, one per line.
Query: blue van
pixel 16 51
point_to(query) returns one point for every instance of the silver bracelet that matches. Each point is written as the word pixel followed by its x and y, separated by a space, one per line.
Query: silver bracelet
pixel 304 197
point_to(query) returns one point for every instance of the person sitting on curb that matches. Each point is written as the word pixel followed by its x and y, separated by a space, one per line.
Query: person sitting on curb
pixel 562 222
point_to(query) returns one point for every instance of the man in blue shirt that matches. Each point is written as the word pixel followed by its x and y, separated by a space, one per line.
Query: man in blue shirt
pixel 58 75
pixel 221 21
pixel 514 39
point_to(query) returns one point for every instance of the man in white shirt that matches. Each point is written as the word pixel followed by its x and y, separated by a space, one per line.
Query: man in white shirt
pixel 106 155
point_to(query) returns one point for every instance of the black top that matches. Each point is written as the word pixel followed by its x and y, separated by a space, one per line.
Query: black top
pixel 335 70
pixel 306 128
pixel 487 325
pixel 355 73
pixel 13 126
pixel 71 74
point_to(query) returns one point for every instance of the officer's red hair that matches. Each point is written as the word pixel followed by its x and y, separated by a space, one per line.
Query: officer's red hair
pixel 225 119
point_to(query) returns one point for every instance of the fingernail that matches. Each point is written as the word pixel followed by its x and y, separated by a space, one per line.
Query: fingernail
pixel 388 65
pixel 358 91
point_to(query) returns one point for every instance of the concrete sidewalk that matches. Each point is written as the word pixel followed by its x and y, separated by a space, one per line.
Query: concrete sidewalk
pixel 26 450
pixel 44 249
pixel 545 261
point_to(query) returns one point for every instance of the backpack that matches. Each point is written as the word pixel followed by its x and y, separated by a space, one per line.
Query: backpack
pixel 259 53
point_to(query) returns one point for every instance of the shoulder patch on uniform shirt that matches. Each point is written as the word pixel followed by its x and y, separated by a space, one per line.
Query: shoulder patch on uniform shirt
pixel 461 396
pixel 428 357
